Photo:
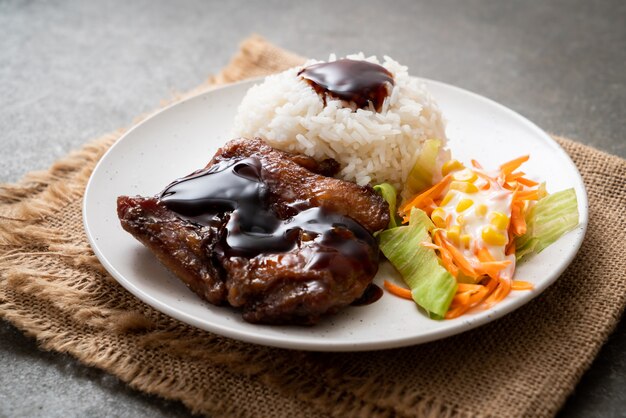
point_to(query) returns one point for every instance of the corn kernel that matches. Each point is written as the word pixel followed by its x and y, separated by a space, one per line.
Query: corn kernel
pixel 439 218
pixel 463 186
pixel 465 175
pixel 450 166
pixel 464 204
pixel 499 220
pixel 493 237
pixel 460 220
pixel 466 240
pixel 454 234
pixel 448 197
pixel 481 210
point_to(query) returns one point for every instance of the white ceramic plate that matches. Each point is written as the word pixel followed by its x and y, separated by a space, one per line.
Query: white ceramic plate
pixel 183 137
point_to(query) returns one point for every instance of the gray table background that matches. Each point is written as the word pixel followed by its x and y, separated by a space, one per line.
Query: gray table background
pixel 73 70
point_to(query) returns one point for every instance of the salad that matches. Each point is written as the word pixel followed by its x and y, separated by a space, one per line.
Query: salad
pixel 456 244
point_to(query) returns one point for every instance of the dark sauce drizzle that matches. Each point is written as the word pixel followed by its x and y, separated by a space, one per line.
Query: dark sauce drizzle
pixel 235 188
pixel 372 294
pixel 360 82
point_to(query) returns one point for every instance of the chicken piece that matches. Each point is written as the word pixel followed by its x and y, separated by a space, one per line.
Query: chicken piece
pixel 291 182
pixel 258 229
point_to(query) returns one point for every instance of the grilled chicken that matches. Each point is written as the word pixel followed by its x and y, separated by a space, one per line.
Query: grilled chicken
pixel 265 231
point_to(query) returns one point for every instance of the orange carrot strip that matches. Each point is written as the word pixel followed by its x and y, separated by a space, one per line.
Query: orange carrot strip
pixel 477 164
pixel 503 289
pixel 463 264
pixel 527 182
pixel 527 195
pixel 397 290
pixel 491 284
pixel 488 265
pixel 493 268
pixel 521 285
pixel 446 258
pixel 477 297
pixel 473 300
pixel 460 299
pixel 513 165
pixel 428 206
pixel 467 287
pixel 515 176
pixel 509 186
pixel 510 247
pixel 433 192
pixel 483 254
pixel 518 220
pixel 496 264
pixel 456 312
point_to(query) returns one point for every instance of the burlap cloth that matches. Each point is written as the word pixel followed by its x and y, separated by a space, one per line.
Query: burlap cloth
pixel 525 364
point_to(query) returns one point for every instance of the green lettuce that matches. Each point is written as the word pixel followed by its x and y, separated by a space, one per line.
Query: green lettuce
pixel 422 174
pixel 388 192
pixel 432 286
pixel 547 221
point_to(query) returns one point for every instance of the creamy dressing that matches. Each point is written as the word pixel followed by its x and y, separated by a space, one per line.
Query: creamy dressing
pixel 464 227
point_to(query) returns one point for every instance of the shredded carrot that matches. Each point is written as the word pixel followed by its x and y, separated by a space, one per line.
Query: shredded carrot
pixel 510 247
pixel 493 268
pixel 459 260
pixel 456 311
pixel 471 301
pixel 515 176
pixel 429 205
pixel 483 254
pixel 526 182
pixel 476 164
pixel 528 195
pixel 397 290
pixel 492 278
pixel 466 287
pixel 513 165
pixel 503 289
pixel 521 285
pixel 420 200
pixel 446 257
pixel 518 220
pixel 460 299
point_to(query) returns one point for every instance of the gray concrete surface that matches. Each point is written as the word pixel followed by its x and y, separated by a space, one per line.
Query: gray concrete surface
pixel 72 70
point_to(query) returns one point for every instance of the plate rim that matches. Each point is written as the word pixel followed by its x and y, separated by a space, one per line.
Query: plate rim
pixel 322 344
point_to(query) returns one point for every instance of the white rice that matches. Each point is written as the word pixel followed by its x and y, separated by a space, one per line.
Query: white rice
pixel 371 147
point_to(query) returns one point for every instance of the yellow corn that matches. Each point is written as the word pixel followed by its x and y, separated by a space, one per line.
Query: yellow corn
pixel 450 166
pixel 464 204
pixel 439 218
pixel 492 236
pixel 499 220
pixel 466 240
pixel 465 175
pixel 481 210
pixel 463 186
pixel 448 197
pixel 454 234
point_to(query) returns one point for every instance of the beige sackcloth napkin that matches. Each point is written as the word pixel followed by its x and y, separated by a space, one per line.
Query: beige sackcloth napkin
pixel 53 288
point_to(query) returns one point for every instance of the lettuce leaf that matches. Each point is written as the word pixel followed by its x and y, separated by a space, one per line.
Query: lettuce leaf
pixel 432 286
pixel 388 192
pixel 547 221
pixel 425 170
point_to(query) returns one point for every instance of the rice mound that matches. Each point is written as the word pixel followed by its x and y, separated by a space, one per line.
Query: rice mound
pixel 371 147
